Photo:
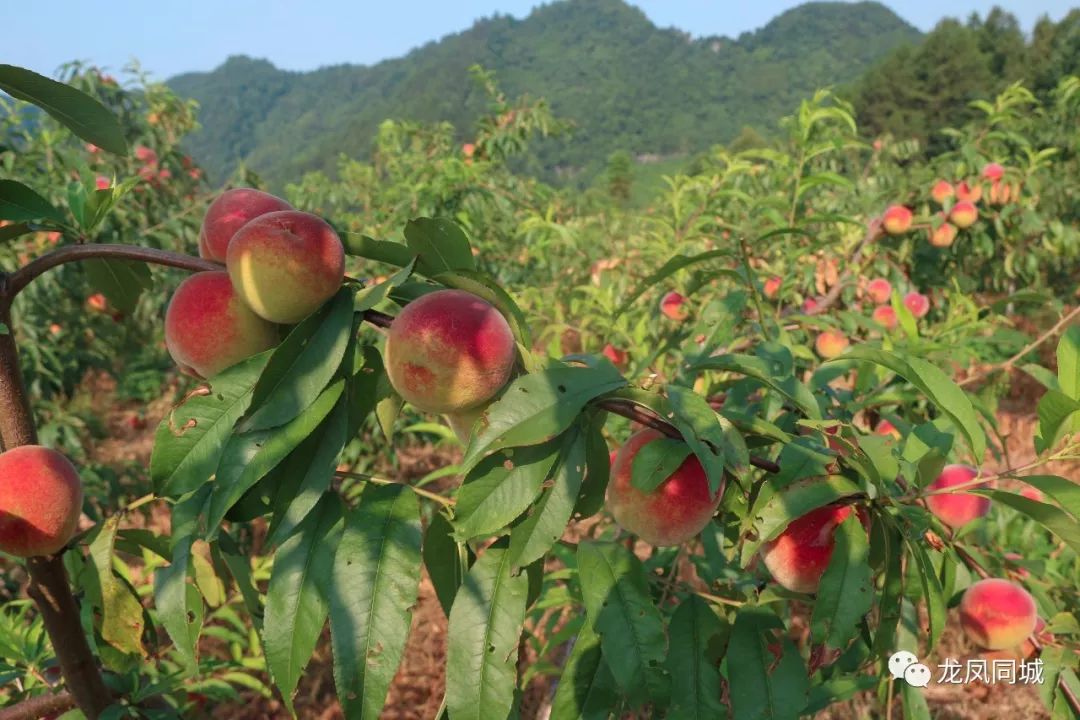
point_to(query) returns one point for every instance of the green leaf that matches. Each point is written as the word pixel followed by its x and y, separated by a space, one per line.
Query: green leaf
pixel 482 639
pixel 793 502
pixel 915 707
pixel 597 469
pixel 1065 492
pixel 189 441
pixel 371 296
pixel 121 281
pixel 759 369
pixel 82 114
pixel 713 438
pixel 484 286
pixel 179 606
pixel 673 265
pixel 538 407
pixel 762 685
pixel 302 365
pixel 932 591
pixel 532 539
pixel 845 595
pixel 935 384
pixel 18 203
pixel 296 599
pixel 384 251
pixel 121 611
pixel 440 245
pixel 1065 526
pixel 502 487
pixel 374 585
pixel 586 688
pixel 615 591
pixel 892 593
pixel 307 473
pixel 10 232
pixel 445 560
pixel 246 459
pixel 1068 357
pixel 698 636
pixel 656 461
pixel 1059 415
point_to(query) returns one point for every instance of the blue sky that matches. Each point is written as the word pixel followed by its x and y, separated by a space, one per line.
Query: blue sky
pixel 173 37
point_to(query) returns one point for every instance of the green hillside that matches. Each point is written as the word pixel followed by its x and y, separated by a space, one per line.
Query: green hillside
pixel 623 82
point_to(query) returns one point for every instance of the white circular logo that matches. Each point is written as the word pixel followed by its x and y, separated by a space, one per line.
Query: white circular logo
pixel 917 675
pixel 899 662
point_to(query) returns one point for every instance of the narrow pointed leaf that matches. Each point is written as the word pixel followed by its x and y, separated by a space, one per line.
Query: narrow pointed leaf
pixel 845 594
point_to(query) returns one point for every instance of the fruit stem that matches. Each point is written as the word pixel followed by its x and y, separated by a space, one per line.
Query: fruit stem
pixel 444 501
pixel 49 587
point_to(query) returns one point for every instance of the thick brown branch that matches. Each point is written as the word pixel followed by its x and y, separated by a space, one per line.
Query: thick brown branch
pixel 39 707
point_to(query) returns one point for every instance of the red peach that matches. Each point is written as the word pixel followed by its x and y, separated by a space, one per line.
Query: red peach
pixel 879 290
pixel 810 305
pixel 997 614
pixel 229 212
pixel 1032 494
pixel 897 220
pixel 830 344
pixel 616 356
pixel 102 182
pixel 286 264
pixel 799 556
pixel 964 214
pixel 917 303
pixel 449 351
pixel 885 316
pixel 146 155
pixel 941 192
pixel 968 193
pixel 40 501
pixel 959 508
pixel 943 235
pixel 468 149
pixel 672 513
pixel 209 328
pixel 55 329
pixel 886 428
pixel 772 287
pixel 672 305
pixel 97 302
pixel 993 172
pixel 1000 193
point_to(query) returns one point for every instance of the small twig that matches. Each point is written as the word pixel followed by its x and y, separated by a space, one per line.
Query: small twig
pixel 444 501
pixel 1008 364
pixel 873 233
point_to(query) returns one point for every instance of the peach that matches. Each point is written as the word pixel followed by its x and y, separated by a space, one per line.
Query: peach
pixel 1000 193
pixel 468 149
pixel 993 172
pixel 887 429
pixel 772 287
pixel 208 327
pixel 286 264
pixel 798 557
pixel 885 316
pixel 672 306
pixel 997 614
pixel 917 303
pixel 879 290
pixel 810 305
pixel 228 213
pixel 943 235
pixel 449 351
pixel 102 183
pixel 941 192
pixel 40 501
pixel 830 344
pixel 672 513
pixel 968 193
pixel 897 220
pixel 1032 494
pixel 615 355
pixel 964 214
pixel 97 302
pixel 462 423
pixel 959 508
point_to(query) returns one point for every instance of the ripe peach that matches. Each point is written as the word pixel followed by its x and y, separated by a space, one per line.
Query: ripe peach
pixel 672 306
pixel 963 214
pixel 993 172
pixel 960 508
pixel 879 290
pixel 941 192
pixel 917 303
pixel 897 220
pixel 968 193
pixel 997 614
pixel 830 344
pixel 672 513
pixel 56 329
pixel 228 213
pixel 102 182
pixel 449 351
pixel 146 155
pixel 943 235
pixel 462 423
pixel 1032 494
pixel 886 428
pixel 286 264
pixel 810 305
pixel 772 287
pixel 798 557
pixel 1001 193
pixel 468 149
pixel 885 316
pixel 615 355
pixel 40 501
pixel 208 327
pixel 97 302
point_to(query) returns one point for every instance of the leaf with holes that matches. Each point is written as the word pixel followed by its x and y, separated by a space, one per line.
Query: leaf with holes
pixel 121 611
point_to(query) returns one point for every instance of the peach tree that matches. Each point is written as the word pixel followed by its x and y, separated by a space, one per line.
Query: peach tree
pixel 772 544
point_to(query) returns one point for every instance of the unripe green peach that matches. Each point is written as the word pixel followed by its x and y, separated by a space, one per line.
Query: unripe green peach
pixel 449 351
pixel 286 264
pixel 672 513
pixel 40 501
pixel 209 328
pixel 228 213
pixel 997 614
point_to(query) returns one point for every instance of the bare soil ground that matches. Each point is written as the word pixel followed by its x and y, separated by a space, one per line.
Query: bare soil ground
pixel 417 690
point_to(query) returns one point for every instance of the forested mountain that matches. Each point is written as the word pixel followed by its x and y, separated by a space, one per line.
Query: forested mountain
pixel 624 83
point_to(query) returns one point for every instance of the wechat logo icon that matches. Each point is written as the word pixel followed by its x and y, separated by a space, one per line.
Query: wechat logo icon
pixel 903 665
